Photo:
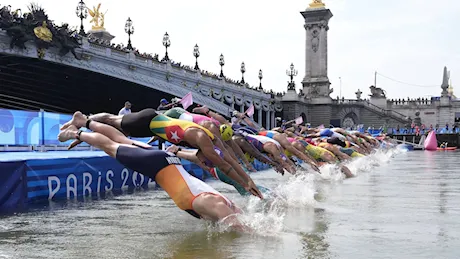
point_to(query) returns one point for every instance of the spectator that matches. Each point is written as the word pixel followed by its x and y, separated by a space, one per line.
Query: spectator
pixel 126 109
pixel 165 105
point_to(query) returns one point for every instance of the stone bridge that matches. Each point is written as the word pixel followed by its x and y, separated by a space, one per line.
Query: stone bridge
pixel 144 78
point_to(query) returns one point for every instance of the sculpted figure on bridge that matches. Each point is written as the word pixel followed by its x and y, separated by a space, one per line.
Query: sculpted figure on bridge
pixel 377 92
pixel 316 4
pixel 98 18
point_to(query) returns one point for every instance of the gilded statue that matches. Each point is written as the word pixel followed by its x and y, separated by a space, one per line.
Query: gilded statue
pixel 97 18
pixel 317 4
pixel 43 33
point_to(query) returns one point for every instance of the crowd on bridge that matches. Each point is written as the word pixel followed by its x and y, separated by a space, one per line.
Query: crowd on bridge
pixel 155 57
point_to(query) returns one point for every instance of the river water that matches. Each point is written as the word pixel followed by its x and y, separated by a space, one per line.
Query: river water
pixel 401 205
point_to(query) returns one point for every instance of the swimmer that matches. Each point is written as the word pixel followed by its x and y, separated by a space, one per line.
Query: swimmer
pixel 282 139
pixel 253 152
pixel 148 122
pixel 273 149
pixel 197 157
pixel 188 193
pixel 222 132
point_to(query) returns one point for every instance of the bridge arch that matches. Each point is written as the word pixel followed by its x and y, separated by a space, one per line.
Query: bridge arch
pixel 349 117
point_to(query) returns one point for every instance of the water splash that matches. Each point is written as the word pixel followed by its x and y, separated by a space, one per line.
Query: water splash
pixel 266 217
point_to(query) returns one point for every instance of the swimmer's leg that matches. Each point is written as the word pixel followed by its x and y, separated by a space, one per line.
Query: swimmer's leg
pixel 114 134
pixel 78 120
pixel 206 111
pixel 97 140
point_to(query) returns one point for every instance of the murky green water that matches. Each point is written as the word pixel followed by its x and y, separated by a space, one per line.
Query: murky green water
pixel 400 206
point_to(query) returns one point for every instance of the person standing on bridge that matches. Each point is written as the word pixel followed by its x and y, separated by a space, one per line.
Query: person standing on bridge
pixel 126 109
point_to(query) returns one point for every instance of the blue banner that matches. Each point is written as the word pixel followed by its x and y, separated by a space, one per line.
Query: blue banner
pixel 51 124
pixel 38 180
pixel 20 127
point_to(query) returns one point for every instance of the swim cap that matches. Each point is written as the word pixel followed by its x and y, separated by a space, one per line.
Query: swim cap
pixel 226 132
pixel 164 101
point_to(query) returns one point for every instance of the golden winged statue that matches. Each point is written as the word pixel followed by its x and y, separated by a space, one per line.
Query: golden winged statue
pixel 97 18
pixel 317 4
pixel 43 33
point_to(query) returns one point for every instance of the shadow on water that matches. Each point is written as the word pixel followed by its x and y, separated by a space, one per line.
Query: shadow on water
pixel 203 243
pixel 314 243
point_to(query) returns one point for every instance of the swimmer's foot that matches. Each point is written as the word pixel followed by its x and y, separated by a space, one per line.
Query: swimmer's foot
pixel 78 120
pixel 68 134
pixel 201 110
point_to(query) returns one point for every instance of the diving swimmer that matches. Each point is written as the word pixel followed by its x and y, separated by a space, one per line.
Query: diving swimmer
pixel 189 194
pixel 148 122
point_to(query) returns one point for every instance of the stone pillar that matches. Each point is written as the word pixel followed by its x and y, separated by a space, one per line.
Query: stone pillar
pixel 316 82
pixel 272 119
pixel 242 108
pixel 259 118
pixel 267 120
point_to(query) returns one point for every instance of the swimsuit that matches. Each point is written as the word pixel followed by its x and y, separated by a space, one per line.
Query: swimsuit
pixel 182 114
pixel 167 171
pixel 173 130
pixel 350 152
pixel 269 134
pixel 242 130
pixel 147 122
pixel 317 152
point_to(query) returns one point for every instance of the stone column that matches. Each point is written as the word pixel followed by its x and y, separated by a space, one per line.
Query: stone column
pixel 259 118
pixel 316 82
pixel 242 108
pixel 267 119
pixel 272 119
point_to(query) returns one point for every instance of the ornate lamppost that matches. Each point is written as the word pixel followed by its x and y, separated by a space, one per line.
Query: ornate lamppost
pixel 81 13
pixel 243 70
pixel 221 63
pixel 129 29
pixel 196 53
pixel 291 73
pixel 166 43
pixel 260 78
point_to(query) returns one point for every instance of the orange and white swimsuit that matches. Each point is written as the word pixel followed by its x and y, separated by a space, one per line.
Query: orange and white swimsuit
pixel 167 171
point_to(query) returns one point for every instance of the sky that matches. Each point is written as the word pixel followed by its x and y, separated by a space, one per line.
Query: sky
pixel 409 41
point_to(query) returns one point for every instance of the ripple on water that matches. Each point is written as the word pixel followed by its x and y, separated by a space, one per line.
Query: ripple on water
pixel 400 205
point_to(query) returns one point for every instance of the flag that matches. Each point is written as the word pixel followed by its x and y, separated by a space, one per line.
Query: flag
pixel 187 100
pixel 250 111
pixel 299 120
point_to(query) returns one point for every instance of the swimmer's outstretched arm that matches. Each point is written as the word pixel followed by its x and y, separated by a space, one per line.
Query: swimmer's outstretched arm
pixel 188 155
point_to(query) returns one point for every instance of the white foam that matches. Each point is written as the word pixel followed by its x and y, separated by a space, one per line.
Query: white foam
pixel 266 217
